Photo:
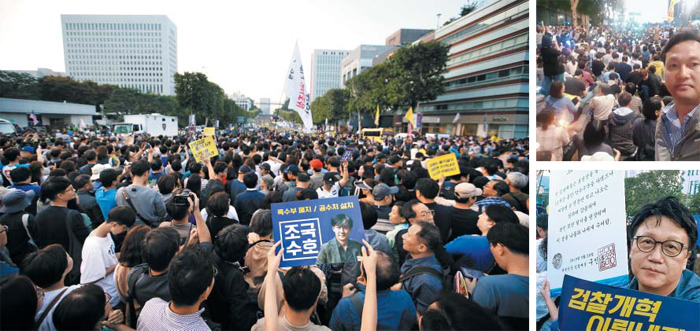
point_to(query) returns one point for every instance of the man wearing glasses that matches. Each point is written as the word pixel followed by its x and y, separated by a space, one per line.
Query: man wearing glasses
pixel 662 238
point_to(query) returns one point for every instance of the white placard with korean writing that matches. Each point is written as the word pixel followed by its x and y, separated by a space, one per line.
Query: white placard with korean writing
pixel 587 227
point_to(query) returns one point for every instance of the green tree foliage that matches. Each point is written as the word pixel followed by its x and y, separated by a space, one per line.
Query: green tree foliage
pixel 465 10
pixel 206 99
pixel 18 86
pixel 648 187
pixel 320 109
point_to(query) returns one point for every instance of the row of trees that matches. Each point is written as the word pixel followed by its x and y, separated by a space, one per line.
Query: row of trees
pixel 597 10
pixel 194 94
pixel 411 75
pixel 650 186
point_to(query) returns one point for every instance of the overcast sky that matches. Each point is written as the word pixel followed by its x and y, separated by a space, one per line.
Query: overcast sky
pixel 649 10
pixel 243 46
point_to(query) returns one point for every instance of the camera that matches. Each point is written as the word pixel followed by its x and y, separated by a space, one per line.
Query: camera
pixel 181 199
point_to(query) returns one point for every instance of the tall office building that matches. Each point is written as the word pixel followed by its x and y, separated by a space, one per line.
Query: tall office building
pixel 131 51
pixel 325 71
pixel 487 74
pixel 406 36
pixel 360 59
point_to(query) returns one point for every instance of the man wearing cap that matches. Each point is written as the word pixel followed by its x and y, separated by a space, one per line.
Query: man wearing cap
pixel 20 237
pixel 302 181
pixel 96 171
pixel 289 176
pixel 317 177
pixel 383 196
pixel 237 186
pixel 463 217
pixel 331 185
pixel 516 182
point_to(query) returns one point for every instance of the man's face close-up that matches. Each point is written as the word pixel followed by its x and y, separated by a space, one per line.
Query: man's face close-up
pixel 423 213
pixel 656 271
pixel 341 233
pixel 683 72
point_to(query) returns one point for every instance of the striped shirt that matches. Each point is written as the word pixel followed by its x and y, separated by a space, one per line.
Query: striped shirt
pixel 673 125
pixel 156 315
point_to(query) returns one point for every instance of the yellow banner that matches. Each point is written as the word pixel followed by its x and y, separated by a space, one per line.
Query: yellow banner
pixel 442 165
pixel 204 148
pixel 209 132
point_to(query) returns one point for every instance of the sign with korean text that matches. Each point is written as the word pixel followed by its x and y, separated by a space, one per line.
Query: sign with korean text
pixel 321 231
pixel 442 165
pixel 204 148
pixel 209 131
pixel 587 236
pixel 591 306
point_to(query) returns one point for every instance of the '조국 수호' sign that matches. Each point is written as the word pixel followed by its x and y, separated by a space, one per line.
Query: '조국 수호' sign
pixel 591 306
pixel 442 165
pixel 587 231
pixel 318 231
pixel 204 148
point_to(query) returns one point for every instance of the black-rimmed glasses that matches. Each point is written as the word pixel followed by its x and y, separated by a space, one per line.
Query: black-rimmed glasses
pixel 670 248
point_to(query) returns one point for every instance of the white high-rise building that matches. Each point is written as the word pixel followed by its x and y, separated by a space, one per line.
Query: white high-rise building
pixel 243 101
pixel 360 59
pixel 326 65
pixel 131 51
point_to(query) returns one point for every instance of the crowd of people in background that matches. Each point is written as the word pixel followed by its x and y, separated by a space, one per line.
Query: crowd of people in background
pixel 133 233
pixel 618 93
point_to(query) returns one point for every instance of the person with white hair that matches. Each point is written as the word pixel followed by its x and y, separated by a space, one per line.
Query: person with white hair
pixel 516 197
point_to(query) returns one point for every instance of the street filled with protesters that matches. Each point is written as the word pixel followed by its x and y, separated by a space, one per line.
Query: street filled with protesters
pixel 618 93
pixel 121 232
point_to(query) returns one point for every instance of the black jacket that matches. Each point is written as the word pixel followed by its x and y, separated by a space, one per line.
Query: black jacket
pixel 229 302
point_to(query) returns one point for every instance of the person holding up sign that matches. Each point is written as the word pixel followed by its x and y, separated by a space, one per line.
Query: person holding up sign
pixel 662 236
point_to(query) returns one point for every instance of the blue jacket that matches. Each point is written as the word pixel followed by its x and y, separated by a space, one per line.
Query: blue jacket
pixel 246 204
pixel 237 187
pixel 423 288
pixel 688 287
pixel 395 311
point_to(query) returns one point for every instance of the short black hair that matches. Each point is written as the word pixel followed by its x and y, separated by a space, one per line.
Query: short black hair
pixel 11 154
pixel 514 236
pixel 307 194
pixel 220 167
pixel 261 222
pixel 45 267
pixel 456 312
pixel 498 213
pixel 427 188
pixel 388 272
pixel 19 302
pixel 53 186
pixel 501 187
pixel 430 235
pixel 218 204
pixel 650 107
pixel 301 288
pixel 250 180
pixel 189 275
pixel 624 99
pixel 341 220
pixel 672 208
pixel 177 211
pixel 677 39
pixel 407 209
pixel 543 221
pixel 90 155
pixel 369 215
pixel 166 184
pixel 80 309
pixel 140 167
pixel 21 174
pixel 80 181
pixel 156 164
pixel 123 215
pixel 159 247
pixel 231 243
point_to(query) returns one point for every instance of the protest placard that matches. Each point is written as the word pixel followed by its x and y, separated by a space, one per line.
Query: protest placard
pixel 587 236
pixel 442 165
pixel 347 156
pixel 315 231
pixel 209 131
pixel 204 148
pixel 587 305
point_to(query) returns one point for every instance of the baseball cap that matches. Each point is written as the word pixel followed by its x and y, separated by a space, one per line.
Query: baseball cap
pixel 294 169
pixel 316 164
pixel 380 191
pixel 265 166
pixel 29 149
pixel 394 159
pixel 380 156
pixel 97 169
pixel 362 185
pixel 330 177
pixel 244 169
pixel 467 190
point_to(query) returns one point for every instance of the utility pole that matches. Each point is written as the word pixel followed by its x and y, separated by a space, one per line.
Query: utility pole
pixel 438 22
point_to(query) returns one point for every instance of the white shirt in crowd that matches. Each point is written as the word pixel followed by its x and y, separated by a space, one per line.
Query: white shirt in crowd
pixel 98 256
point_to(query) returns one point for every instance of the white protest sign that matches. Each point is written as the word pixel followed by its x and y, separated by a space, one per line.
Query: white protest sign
pixel 586 235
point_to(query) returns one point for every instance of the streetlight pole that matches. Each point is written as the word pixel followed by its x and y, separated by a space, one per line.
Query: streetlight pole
pixel 437 26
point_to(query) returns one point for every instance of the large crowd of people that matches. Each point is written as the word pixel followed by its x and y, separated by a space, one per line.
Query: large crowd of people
pixel 103 231
pixel 618 93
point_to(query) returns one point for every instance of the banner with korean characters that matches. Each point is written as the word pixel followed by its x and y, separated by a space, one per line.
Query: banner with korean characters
pixel 322 231
pixel 587 236
pixel 587 305
pixel 204 148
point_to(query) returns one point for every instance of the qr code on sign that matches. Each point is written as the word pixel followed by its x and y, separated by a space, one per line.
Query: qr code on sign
pixel 606 257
